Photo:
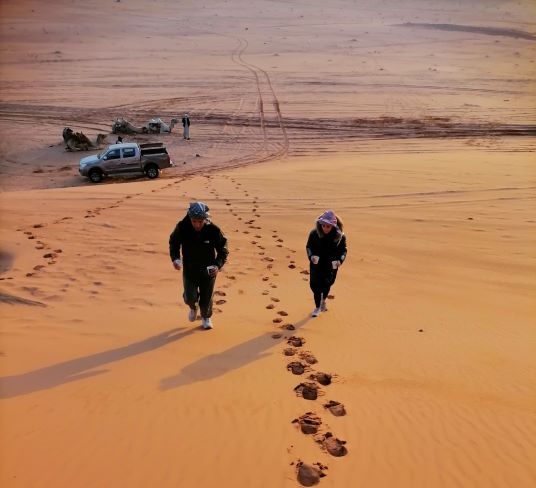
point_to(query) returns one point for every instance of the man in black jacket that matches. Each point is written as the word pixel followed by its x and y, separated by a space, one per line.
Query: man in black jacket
pixel 204 252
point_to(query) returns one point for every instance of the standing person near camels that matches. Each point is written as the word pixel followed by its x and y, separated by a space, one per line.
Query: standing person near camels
pixel 326 250
pixel 186 127
pixel 204 252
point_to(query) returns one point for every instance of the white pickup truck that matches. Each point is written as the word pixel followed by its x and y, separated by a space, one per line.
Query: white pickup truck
pixel 127 158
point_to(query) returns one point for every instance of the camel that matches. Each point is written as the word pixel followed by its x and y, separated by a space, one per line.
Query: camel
pixel 158 126
pixel 154 126
pixel 123 126
pixel 78 141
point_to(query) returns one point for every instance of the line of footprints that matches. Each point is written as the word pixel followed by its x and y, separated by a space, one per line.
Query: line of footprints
pixel 52 255
pixel 300 361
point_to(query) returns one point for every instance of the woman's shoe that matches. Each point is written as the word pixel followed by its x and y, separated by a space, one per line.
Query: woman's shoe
pixel 316 312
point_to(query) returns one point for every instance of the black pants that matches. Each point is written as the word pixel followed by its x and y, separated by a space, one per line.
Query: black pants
pixel 199 287
pixel 321 280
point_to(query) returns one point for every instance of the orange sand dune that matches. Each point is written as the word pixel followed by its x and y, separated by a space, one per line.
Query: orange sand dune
pixel 296 107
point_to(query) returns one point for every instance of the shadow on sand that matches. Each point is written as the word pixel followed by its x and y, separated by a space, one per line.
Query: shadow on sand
pixel 84 367
pixel 235 357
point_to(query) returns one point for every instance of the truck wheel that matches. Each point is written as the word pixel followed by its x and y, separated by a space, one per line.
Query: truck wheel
pixel 95 175
pixel 152 171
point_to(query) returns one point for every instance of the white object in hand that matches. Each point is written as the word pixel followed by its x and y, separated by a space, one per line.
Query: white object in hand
pixel 314 259
pixel 177 263
pixel 334 264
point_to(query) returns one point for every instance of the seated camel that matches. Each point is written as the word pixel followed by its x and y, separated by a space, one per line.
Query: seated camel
pixel 78 141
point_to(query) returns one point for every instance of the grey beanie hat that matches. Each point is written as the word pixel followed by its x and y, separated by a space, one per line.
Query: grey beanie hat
pixel 198 210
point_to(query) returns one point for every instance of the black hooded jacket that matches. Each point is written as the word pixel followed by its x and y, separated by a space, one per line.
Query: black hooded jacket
pixel 328 247
pixel 207 247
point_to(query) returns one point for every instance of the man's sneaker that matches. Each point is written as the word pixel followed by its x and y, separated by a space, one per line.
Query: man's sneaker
pixel 192 314
pixel 316 312
pixel 206 323
pixel 323 306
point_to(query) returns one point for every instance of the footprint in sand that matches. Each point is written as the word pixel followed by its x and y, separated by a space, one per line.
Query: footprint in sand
pixel 270 306
pixel 265 292
pixel 282 313
pixel 296 341
pixel 289 351
pixel 292 266
pixel 220 302
pixel 265 278
pixel 296 367
pixel 273 286
pixel 277 320
pixel 308 422
pixel 231 277
pixel 331 297
pixel 308 357
pixel 308 390
pixel 274 299
pixel 322 378
pixel 277 336
pixel 289 327
pixel 219 293
pixel 336 408
pixel 334 446
pixel 310 474
pixel 258 237
pixel 268 258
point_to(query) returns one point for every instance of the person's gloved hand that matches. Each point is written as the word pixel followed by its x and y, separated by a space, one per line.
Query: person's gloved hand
pixel 335 264
pixel 315 259
pixel 177 264
pixel 212 271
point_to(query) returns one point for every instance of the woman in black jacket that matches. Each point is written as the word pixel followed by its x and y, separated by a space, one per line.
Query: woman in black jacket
pixel 326 250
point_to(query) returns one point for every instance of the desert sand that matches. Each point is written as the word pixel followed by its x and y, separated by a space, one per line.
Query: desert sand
pixel 415 121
